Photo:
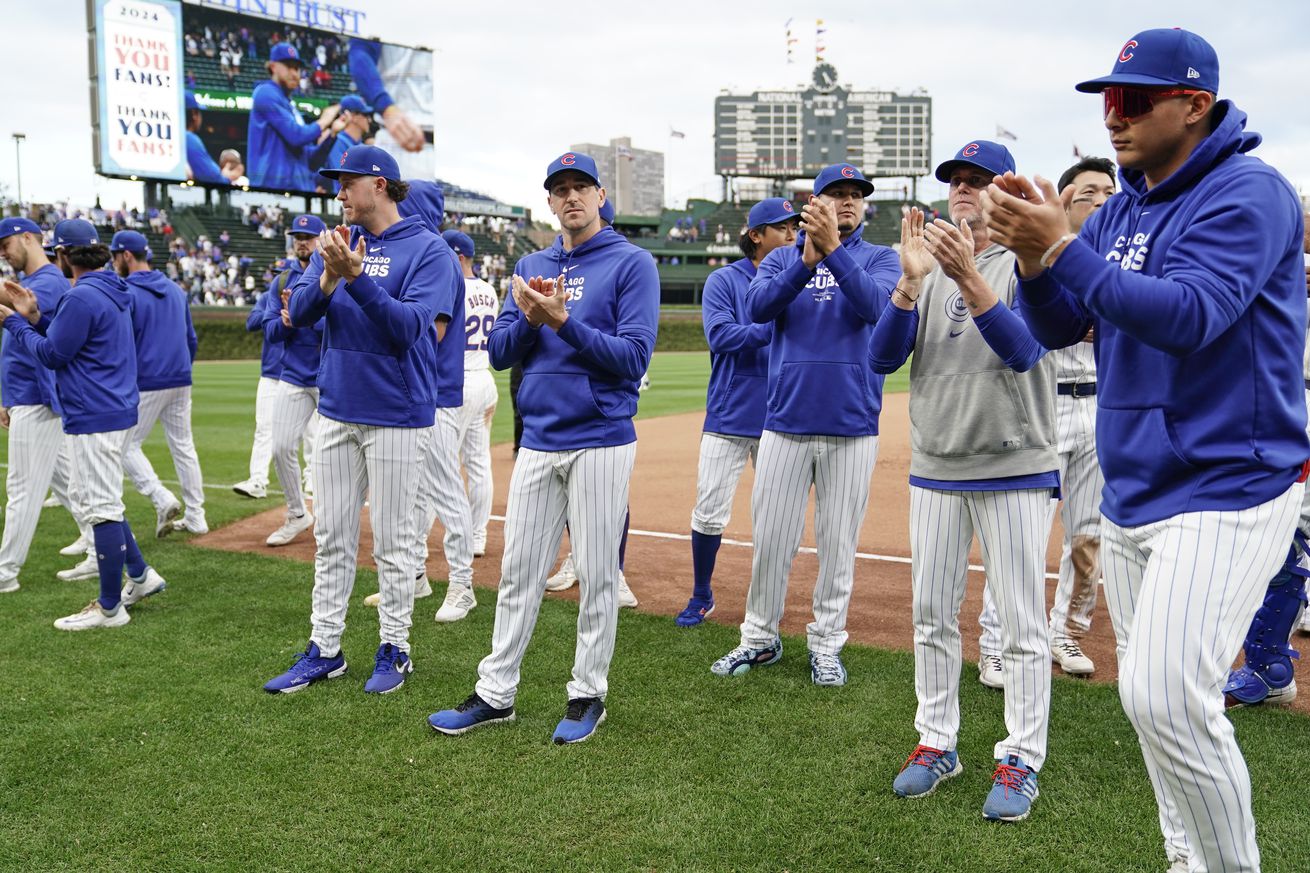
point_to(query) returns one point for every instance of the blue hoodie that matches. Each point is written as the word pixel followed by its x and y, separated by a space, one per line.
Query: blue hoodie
pixel 203 168
pixel 1200 319
pixel 161 326
pixel 364 55
pixel 739 354
pixel 23 381
pixel 301 347
pixel 88 342
pixel 819 376
pixel 427 201
pixel 379 359
pixel 270 355
pixel 277 140
pixel 579 385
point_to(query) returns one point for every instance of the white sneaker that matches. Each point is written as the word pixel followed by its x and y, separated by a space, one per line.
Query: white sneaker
pixel 459 600
pixel 1071 659
pixel 50 502
pixel 293 527
pixel 88 569
pixel 164 515
pixel 422 588
pixel 479 545
pixel 93 616
pixel 8 586
pixel 989 671
pixel 252 489
pixel 626 597
pixel 565 578
pixel 192 525
pixel 78 546
pixel 136 591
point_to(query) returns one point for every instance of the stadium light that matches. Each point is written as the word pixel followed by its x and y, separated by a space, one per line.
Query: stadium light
pixel 18 160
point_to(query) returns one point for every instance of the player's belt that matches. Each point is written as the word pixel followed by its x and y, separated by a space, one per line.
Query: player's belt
pixel 1085 389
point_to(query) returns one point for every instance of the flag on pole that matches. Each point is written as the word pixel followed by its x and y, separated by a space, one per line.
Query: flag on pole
pixel 791 41
pixel 819 47
pixel 1076 152
pixel 676 134
pixel 1002 133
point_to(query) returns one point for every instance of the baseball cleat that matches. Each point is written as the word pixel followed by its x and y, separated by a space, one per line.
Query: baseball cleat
pixel 94 615
pixel 1014 788
pixel 422 588
pixel 137 590
pixel 697 611
pixel 583 716
pixel 1247 687
pixel 293 527
pixel 827 669
pixel 480 545
pixel 165 514
pixel 89 568
pixel 1069 655
pixel 8 586
pixel 389 669
pixel 252 489
pixel 990 673
pixel 79 546
pixel 459 600
pixel 925 769
pixel 310 666
pixel 472 713
pixel 565 578
pixel 192 525
pixel 627 600
pixel 743 658
pixel 50 502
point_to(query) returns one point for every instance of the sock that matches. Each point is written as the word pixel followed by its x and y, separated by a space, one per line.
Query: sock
pixel 623 540
pixel 109 556
pixel 704 552
pixel 136 564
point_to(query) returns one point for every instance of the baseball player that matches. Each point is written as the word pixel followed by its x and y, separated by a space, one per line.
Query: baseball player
pixel 1266 674
pixel 29 407
pixel 984 461
pixel 1080 474
pixel 354 121
pixel 296 398
pixel 270 368
pixel 165 348
pixel 383 288
pixel 1191 274
pixel 200 165
pixel 585 336
pixel 735 399
pixel 87 341
pixel 278 137
pixel 823 296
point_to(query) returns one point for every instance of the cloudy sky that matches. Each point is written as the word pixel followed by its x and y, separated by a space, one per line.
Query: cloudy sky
pixel 518 82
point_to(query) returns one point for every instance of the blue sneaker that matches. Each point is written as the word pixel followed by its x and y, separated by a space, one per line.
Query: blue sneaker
pixel 580 721
pixel 309 667
pixel 696 612
pixel 743 658
pixel 472 713
pixel 389 669
pixel 1014 788
pixel 924 770
pixel 827 669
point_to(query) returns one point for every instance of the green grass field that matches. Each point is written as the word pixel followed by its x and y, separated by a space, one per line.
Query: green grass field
pixel 152 747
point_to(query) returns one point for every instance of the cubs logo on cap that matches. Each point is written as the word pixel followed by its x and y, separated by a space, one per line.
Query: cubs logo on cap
pixel 576 162
pixel 828 176
pixel 11 226
pixel 365 160
pixel 774 210
pixel 285 53
pixel 1159 58
pixel 307 225
pixel 987 156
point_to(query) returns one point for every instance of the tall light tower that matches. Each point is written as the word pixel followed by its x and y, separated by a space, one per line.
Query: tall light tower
pixel 18 159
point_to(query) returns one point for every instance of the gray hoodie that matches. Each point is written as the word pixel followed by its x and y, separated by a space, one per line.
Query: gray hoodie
pixel 971 416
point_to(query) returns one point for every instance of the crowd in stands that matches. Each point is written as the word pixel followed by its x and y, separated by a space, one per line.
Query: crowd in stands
pixel 325 55
pixel 267 221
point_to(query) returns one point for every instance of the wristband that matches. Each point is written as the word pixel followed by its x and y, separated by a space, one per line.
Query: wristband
pixel 1042 261
pixel 913 300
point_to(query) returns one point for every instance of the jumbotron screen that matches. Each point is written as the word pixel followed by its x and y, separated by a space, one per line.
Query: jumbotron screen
pixel 195 91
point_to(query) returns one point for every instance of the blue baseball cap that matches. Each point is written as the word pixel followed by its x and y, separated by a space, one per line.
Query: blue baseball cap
pixel 364 160
pixel 192 102
pixel 774 210
pixel 129 241
pixel 49 251
pixel 575 161
pixel 607 212
pixel 310 225
pixel 981 153
pixel 11 226
pixel 829 176
pixel 285 53
pixel 1161 57
pixel 461 243
pixel 355 103
pixel 74 232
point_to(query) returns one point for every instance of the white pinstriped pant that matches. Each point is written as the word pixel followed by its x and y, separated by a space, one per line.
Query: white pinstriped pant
pixel 261 447
pixel 294 408
pixel 1081 482
pixel 37 464
pixel 480 397
pixel 441 496
pixel 588 488
pixel 722 459
pixel 787 466
pixel 1182 593
pixel 97 463
pixel 1012 528
pixel 172 406
pixel 352 461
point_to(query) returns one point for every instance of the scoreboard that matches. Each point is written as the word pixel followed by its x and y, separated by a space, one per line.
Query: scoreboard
pixel 791 134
